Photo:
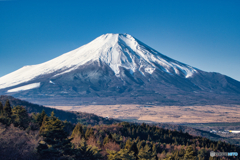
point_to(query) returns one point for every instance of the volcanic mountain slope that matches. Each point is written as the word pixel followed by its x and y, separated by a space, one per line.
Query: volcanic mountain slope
pixel 118 68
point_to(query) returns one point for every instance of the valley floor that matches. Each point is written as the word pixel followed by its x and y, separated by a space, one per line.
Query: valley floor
pixel 162 114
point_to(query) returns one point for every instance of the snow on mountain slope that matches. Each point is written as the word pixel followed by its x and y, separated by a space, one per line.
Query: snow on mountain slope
pixel 25 87
pixel 116 50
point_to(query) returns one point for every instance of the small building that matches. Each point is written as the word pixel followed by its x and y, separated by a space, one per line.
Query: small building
pixel 213 131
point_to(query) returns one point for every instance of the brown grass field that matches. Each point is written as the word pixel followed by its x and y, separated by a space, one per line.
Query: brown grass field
pixel 166 114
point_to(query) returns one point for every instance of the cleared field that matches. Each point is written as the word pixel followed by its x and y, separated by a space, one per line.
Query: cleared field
pixel 170 114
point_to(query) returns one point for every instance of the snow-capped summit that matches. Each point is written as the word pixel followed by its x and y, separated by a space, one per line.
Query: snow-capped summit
pixel 117 66
pixel 115 50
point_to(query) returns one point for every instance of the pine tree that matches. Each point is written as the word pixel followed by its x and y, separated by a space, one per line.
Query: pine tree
pixel 20 117
pixel 190 154
pixel 149 138
pixel 146 153
pixel 106 140
pixel 171 157
pixel 131 147
pixel 55 142
pixel 134 149
pixel 140 144
pixel 85 152
pixel 181 152
pixel 88 133
pixel 154 151
pixel 5 113
pixel 202 154
pixel 40 117
pixel 44 122
pixel 1 108
pixel 128 144
pixel 7 110
pixel 78 131
pixel 123 154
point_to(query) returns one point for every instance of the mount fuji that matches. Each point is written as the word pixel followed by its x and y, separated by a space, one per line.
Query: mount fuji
pixel 118 69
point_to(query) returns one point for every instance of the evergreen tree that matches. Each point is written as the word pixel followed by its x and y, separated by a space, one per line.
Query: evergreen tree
pixel 106 140
pixel 38 118
pixel 68 126
pixel 85 152
pixel 1 108
pixel 55 142
pixel 41 117
pixel 203 154
pixel 128 144
pixel 123 154
pixel 7 110
pixel 44 122
pixel 146 153
pixel 88 133
pixel 154 151
pixel 181 152
pixel 131 147
pixel 134 149
pixel 140 144
pixel 20 117
pixel 171 157
pixel 78 131
pixel 190 154
pixel 5 113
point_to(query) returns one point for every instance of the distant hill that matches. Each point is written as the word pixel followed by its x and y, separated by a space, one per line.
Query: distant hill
pixel 73 117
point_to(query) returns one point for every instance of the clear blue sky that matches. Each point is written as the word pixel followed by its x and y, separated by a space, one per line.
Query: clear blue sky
pixel 204 34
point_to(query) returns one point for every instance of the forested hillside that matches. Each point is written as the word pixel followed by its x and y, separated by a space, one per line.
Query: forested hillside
pixel 73 117
pixel 92 119
pixel 42 136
